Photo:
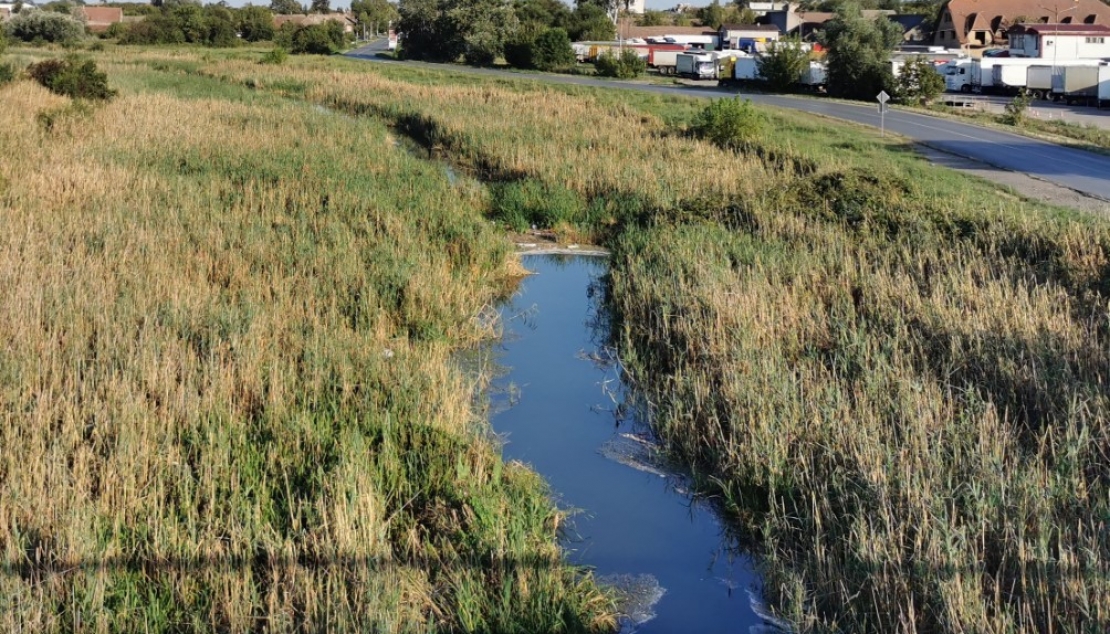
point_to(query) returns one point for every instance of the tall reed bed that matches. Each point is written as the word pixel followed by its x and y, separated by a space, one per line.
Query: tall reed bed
pixel 227 394
pixel 894 375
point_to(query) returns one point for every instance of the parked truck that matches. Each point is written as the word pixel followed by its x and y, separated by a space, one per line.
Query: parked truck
pixel 696 65
pixel 982 74
pixel 745 72
pixel 957 75
pixel 1103 85
pixel 664 60
pixel 1010 76
pixel 1076 84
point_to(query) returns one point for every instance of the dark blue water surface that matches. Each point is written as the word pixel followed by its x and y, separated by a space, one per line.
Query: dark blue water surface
pixel 560 416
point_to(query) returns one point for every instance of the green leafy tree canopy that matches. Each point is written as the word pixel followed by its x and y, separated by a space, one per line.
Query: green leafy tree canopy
pixel 859 51
pixel 782 66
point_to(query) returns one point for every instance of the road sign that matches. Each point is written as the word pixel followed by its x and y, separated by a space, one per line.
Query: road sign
pixel 882 97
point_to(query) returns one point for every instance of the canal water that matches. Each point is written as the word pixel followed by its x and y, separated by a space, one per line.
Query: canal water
pixel 558 409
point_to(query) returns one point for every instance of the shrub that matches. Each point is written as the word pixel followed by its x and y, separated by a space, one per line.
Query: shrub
pixel 627 65
pixel 7 73
pixel 256 24
pixel 728 123
pixel 521 204
pixel 44 26
pixel 276 55
pixel 154 29
pixel 552 51
pixel 116 31
pixel 312 39
pixel 919 81
pixel 1015 110
pixel 72 77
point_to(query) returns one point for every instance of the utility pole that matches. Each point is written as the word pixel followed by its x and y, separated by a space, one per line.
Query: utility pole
pixel 1056 11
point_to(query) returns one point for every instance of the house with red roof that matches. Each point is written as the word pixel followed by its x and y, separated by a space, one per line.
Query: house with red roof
pixel 983 23
pixel 98 19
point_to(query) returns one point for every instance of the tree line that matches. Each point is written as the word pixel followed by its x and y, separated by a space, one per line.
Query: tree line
pixel 528 33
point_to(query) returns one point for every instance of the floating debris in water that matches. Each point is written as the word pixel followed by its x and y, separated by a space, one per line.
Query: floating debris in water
pixel 636 595
pixel 636 451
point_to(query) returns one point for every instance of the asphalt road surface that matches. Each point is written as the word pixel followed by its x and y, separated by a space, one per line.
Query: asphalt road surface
pixel 1082 171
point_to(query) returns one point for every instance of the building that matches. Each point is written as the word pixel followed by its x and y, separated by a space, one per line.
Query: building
pixel 915 28
pixel 792 22
pixel 1060 41
pixel 983 23
pixel 98 19
pixel 747 36
pixel 628 30
pixel 761 8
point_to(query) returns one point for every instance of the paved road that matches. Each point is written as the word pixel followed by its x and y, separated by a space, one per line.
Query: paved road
pixel 1081 171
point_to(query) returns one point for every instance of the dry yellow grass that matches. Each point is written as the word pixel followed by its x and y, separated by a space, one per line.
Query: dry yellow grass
pixel 227 399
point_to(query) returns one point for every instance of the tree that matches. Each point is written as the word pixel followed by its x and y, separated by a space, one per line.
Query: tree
pixel 627 65
pixel 256 24
pixel 552 50
pixel 712 15
pixel 783 65
pixel 485 27
pixel 859 53
pixel 47 26
pixel 536 16
pixel 286 7
pixel 374 14
pixel 590 22
pixel 919 81
pixel 444 30
pixel 321 6
pixel 311 39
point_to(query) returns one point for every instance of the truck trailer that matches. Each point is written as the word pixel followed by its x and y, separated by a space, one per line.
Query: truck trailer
pixel 1076 84
pixel 664 58
pixel 1103 85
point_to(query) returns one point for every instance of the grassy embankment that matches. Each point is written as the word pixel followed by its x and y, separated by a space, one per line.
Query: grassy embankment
pixel 227 399
pixel 894 374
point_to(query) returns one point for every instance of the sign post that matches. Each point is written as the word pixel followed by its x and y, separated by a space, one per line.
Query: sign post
pixel 883 98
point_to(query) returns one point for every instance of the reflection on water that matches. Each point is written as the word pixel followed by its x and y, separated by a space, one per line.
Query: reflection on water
pixel 563 411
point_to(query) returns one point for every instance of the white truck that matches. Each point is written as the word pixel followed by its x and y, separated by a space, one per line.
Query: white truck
pixel 1010 75
pixel 696 65
pixel 1103 85
pixel 957 75
pixel 1076 84
pixel 982 74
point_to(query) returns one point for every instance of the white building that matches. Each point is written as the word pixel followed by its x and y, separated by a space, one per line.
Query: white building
pixel 761 8
pixel 1060 41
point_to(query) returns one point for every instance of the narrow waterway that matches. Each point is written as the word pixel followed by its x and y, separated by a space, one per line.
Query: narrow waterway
pixel 559 410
